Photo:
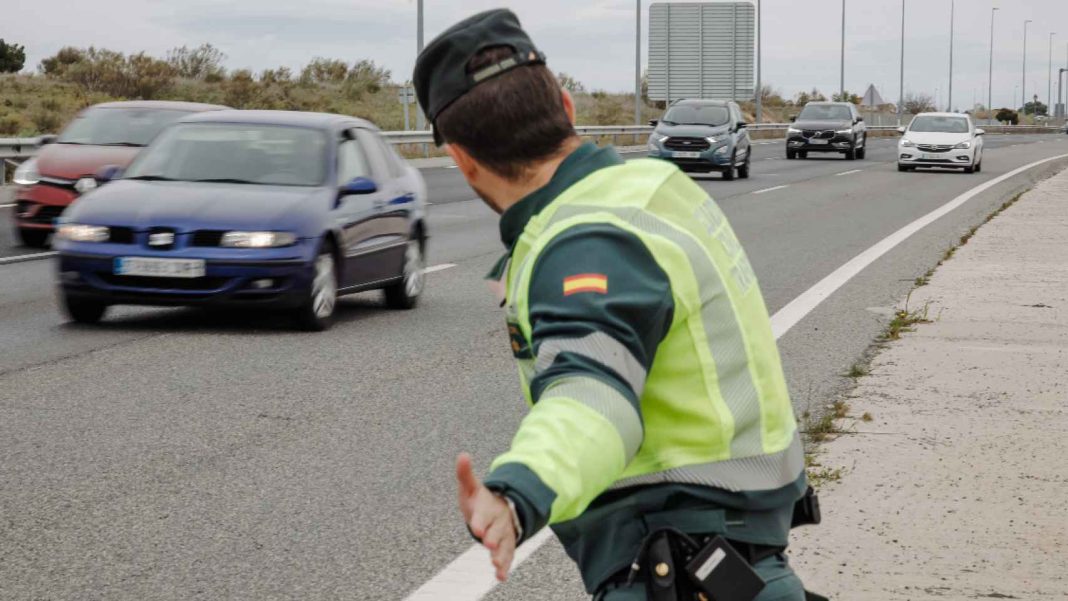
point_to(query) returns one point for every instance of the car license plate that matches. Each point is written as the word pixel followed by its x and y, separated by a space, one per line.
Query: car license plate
pixel 928 156
pixel 159 268
pixel 818 141
pixel 686 154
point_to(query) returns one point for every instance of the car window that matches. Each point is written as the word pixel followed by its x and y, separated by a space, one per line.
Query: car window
pixel 379 163
pixel 825 112
pixel 118 126
pixel 940 124
pixel 389 156
pixel 351 162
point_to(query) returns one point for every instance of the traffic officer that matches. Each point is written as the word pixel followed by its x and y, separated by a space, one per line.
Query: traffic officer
pixel 660 426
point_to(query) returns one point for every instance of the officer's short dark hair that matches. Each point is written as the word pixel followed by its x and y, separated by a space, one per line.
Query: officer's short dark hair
pixel 510 122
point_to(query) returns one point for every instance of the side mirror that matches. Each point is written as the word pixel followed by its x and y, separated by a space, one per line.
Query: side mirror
pixel 793 119
pixel 901 130
pixel 980 131
pixel 654 122
pixel 359 185
pixel 107 173
pixel 46 139
pixel 743 125
pixel 860 119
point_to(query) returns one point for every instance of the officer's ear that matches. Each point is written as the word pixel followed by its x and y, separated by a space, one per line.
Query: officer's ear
pixel 569 104
pixel 467 165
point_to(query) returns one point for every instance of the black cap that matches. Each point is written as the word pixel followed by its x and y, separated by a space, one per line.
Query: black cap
pixel 441 75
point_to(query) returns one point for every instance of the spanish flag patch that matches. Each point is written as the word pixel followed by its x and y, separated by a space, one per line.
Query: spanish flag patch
pixel 586 282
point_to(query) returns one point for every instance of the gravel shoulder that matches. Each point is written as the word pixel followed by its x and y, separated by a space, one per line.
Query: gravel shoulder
pixel 955 489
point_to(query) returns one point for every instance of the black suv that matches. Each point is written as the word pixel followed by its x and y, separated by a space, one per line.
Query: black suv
pixel 703 135
pixel 827 127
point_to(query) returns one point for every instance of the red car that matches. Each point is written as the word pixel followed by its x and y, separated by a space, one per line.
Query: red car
pixel 105 134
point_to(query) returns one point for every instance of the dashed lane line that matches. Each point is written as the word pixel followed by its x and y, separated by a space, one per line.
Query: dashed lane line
pixel 766 190
pixel 25 258
pixel 848 172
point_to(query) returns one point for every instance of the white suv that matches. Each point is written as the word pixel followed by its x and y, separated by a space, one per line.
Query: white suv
pixel 948 140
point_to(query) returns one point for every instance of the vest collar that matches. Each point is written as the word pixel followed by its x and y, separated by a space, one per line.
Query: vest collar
pixel 583 161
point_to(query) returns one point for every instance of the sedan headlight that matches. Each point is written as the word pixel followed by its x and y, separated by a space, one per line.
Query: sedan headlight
pixel 907 143
pixel 662 139
pixel 722 150
pixel 965 144
pixel 76 232
pixel 844 132
pixel 711 140
pixel 85 185
pixel 257 239
pixel 792 130
pixel 26 174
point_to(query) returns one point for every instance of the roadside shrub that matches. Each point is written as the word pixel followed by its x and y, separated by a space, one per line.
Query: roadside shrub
pixel 106 71
pixel 324 70
pixel 241 90
pixel 201 63
pixel 10 125
pixel 1008 116
pixel 47 122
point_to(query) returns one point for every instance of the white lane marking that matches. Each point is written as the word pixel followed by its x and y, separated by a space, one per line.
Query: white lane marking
pixel 441 267
pixel 788 316
pixel 29 257
pixel 452 166
pixel 766 190
pixel 470 576
pixel 7 206
pixel 848 172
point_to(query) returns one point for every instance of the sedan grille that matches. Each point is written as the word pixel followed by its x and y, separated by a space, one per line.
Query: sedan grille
pixel 120 235
pixel 934 147
pixel 43 214
pixel 695 144
pixel 207 238
pixel 818 134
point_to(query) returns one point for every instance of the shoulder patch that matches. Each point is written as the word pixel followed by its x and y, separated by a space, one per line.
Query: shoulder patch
pixel 586 282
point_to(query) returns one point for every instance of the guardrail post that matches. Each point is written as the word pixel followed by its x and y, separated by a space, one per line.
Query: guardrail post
pixel 3 171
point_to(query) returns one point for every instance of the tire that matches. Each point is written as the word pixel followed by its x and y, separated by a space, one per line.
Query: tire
pixel 863 150
pixel 728 175
pixel 743 171
pixel 790 155
pixel 317 312
pixel 969 169
pixel 404 295
pixel 33 238
pixel 902 168
pixel 83 311
pixel 803 154
pixel 851 154
pixel 979 166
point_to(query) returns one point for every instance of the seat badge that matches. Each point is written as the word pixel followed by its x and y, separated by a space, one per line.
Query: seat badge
pixel 161 239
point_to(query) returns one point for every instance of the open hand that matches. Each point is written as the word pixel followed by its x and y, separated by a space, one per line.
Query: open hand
pixel 487 515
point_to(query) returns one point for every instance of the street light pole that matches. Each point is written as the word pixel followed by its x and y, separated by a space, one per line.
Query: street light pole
pixel 901 97
pixel 759 86
pixel 638 67
pixel 420 119
pixel 842 86
pixel 1049 84
pixel 952 15
pixel 1023 82
pixel 990 74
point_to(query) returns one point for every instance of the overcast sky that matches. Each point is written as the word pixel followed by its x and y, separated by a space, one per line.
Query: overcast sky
pixel 593 40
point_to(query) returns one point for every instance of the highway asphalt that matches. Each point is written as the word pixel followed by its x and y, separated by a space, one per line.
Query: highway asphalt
pixel 179 454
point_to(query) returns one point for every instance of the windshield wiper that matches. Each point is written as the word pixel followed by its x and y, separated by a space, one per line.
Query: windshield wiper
pixel 132 144
pixel 224 180
pixel 152 178
pixel 668 122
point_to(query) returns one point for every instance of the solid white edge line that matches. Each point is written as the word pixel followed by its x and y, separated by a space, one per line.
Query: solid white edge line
pixel 7 206
pixel 797 309
pixel 25 258
pixel 441 267
pixel 470 576
pixel 766 190
pixel 848 172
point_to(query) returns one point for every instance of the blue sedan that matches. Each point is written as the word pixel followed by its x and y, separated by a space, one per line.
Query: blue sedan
pixel 269 208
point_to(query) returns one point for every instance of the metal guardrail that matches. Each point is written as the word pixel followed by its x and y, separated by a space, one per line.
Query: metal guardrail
pixel 16 149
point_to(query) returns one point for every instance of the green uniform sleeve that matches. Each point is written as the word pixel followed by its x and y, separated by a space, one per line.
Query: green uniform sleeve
pixel 599 307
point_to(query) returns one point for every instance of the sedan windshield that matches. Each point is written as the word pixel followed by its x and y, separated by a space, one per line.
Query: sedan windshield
pixel 947 125
pixel 825 112
pixel 235 153
pixel 118 126
pixel 697 115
